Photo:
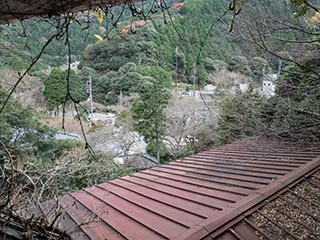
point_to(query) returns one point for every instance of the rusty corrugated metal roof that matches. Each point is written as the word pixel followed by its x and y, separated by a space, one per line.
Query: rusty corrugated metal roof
pixel 291 213
pixel 204 196
pixel 16 10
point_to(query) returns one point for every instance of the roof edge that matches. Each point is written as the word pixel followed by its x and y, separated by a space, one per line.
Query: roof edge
pixel 219 222
pixel 18 10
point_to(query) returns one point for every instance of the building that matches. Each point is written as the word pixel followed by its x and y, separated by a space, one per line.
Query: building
pixel 74 66
pixel 245 190
pixel 268 84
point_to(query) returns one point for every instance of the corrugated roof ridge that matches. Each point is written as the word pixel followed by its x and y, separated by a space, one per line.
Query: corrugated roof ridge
pixel 263 171
pixel 209 180
pixel 179 196
pixel 250 164
pixel 251 182
pixel 82 224
pixel 303 154
pixel 221 188
pixel 206 167
pixel 163 202
pixel 218 221
pixel 237 158
pixel 111 222
pixel 128 214
pixel 197 192
pixel 142 205
pixel 173 200
pixel 192 185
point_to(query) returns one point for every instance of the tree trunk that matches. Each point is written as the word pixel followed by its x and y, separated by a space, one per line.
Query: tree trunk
pixel 158 151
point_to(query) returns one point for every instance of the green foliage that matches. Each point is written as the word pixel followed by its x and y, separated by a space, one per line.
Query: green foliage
pixel 152 148
pixel 148 108
pixel 16 64
pixel 294 111
pixel 240 117
pixel 302 7
pixel 20 127
pixel 239 64
pixel 124 118
pixel 53 166
pixel 23 133
pixel 54 149
pixel 87 72
pixel 111 56
pixel 157 46
pixel 152 44
pixel 56 88
pixel 27 40
pixel 202 75
pixel 127 80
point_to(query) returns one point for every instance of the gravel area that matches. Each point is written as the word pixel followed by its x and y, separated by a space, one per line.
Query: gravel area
pixel 283 220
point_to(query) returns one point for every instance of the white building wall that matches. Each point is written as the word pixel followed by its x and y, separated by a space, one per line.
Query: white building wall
pixel 268 85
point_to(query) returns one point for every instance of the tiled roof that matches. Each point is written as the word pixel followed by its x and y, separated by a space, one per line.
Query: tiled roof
pixel 208 195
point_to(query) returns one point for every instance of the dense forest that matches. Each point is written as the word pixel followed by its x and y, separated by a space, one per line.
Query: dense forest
pixel 180 43
pixel 177 43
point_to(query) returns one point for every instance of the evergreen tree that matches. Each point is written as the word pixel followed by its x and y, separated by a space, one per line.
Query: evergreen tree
pixel 148 109
pixel 77 86
pixel 55 90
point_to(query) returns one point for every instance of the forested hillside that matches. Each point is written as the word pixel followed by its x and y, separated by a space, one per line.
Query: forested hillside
pixel 147 65
pixel 190 41
pixel 177 42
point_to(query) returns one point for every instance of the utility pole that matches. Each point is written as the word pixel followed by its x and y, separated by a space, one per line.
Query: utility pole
pixel 121 98
pixel 194 89
pixel 89 91
pixel 279 67
pixel 176 83
pixel 194 78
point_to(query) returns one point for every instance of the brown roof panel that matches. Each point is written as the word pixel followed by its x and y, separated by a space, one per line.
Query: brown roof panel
pixel 198 182
pixel 177 202
pixel 15 10
pixel 198 189
pixel 89 223
pixel 256 201
pixel 292 214
pixel 174 214
pixel 221 193
pixel 113 217
pixel 210 177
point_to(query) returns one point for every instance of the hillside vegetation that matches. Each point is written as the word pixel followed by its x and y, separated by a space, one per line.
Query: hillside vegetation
pixel 140 65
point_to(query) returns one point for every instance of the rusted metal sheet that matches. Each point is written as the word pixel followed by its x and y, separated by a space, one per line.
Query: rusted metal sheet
pixel 193 208
pixel 15 10
pixel 278 217
pixel 210 195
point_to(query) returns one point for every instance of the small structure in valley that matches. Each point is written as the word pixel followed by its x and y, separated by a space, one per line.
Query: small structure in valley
pixel 268 84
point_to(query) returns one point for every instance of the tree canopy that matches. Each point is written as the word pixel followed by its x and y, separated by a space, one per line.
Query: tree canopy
pixel 148 108
pixel 56 88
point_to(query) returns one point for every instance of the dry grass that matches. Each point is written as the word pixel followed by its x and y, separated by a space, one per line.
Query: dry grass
pixel 227 78
pixel 28 92
pixel 71 125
